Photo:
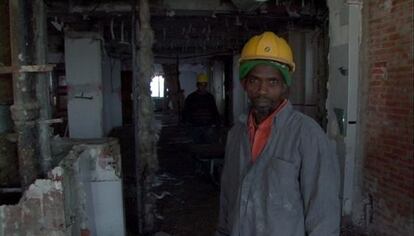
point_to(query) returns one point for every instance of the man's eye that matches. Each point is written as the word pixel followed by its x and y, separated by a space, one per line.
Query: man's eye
pixel 275 82
pixel 252 80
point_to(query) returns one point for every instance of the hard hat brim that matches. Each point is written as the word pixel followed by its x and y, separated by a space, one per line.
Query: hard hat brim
pixel 247 66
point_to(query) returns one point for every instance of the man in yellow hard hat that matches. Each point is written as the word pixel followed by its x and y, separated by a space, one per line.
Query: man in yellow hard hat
pixel 281 174
pixel 200 113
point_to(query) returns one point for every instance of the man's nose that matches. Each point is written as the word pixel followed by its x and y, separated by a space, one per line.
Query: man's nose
pixel 262 88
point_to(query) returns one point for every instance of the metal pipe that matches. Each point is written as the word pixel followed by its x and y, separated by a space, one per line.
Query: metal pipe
pixel 25 108
pixel 42 84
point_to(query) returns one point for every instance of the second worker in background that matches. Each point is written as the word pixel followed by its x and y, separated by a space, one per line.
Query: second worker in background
pixel 200 113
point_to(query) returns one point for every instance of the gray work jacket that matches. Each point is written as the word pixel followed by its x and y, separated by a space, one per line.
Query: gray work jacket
pixel 291 190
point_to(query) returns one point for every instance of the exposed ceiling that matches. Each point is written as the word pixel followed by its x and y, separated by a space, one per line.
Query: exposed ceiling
pixel 186 27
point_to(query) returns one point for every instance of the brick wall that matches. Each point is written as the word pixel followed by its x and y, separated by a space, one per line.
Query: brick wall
pixel 40 211
pixel 389 162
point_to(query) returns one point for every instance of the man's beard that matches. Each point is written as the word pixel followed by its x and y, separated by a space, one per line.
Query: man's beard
pixel 263 106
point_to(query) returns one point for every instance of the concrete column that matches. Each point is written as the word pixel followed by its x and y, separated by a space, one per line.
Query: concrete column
pixel 342 103
pixel 352 171
pixel 25 109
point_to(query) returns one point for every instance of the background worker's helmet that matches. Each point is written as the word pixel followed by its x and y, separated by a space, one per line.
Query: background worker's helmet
pixel 202 78
pixel 268 46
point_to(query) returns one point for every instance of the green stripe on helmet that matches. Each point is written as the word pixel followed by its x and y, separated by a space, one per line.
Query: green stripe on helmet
pixel 247 66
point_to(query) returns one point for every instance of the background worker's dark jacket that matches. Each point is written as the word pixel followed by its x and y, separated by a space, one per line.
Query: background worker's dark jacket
pixel 200 110
pixel 291 190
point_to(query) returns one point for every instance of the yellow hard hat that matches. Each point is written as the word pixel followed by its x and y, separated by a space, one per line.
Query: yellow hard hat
pixel 268 46
pixel 202 78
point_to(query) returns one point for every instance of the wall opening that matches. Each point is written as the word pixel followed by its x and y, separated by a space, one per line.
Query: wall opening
pixel 157 86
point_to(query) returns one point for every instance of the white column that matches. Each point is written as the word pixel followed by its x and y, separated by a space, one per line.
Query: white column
pixel 83 61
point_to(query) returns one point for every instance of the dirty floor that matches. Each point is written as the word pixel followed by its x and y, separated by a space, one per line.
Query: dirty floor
pixel 188 197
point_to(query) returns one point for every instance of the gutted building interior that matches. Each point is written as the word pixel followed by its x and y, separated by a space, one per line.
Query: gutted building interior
pixel 92 138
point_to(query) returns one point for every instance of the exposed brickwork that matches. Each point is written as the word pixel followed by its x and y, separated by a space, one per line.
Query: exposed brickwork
pixel 39 212
pixel 389 161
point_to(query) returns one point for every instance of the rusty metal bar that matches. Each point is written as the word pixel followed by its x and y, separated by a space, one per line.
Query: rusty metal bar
pixel 42 83
pixel 25 108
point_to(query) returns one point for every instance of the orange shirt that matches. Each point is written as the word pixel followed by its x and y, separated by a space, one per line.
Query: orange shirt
pixel 259 134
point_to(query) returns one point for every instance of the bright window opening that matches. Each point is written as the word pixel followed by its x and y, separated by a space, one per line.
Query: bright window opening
pixel 157 86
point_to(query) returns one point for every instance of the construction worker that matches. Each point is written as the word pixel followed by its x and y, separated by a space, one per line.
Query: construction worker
pixel 200 113
pixel 281 174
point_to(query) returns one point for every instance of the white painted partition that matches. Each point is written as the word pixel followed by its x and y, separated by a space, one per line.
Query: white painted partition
pixel 83 65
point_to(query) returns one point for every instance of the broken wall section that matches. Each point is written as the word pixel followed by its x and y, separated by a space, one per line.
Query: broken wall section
pixel 40 210
pixel 82 195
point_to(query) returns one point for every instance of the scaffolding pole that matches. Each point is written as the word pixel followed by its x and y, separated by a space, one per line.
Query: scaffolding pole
pixel 42 84
pixel 145 141
pixel 25 109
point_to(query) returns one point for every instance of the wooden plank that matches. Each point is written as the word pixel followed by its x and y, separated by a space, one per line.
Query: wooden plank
pixel 6 70
pixel 28 68
pixel 37 68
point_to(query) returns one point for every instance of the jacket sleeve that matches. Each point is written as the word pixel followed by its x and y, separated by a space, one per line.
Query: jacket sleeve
pixel 319 183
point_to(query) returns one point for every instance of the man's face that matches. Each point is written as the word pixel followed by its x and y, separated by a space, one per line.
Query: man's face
pixel 202 87
pixel 265 87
